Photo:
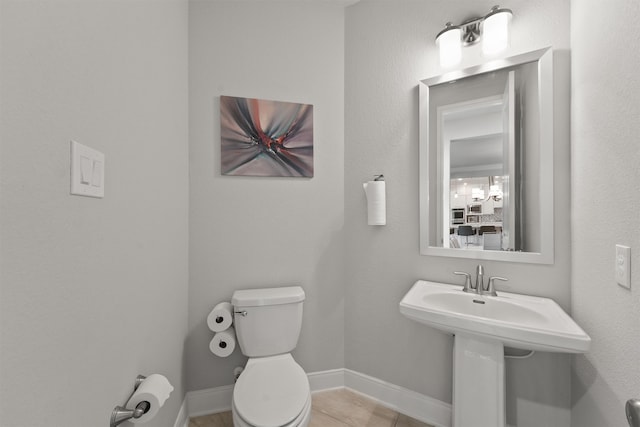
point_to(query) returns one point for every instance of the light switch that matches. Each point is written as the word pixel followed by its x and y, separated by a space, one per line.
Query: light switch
pixel 87 171
pixel 96 176
pixel 623 266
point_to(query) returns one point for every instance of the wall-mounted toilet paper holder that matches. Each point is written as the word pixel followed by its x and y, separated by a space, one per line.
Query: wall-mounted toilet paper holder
pixel 632 409
pixel 121 413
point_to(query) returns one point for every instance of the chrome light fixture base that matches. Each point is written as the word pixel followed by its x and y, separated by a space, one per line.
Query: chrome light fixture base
pixel 471 31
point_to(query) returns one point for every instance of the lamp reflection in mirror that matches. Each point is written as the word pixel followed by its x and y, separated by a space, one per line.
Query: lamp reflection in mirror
pixel 492 29
pixel 495 193
pixel 477 193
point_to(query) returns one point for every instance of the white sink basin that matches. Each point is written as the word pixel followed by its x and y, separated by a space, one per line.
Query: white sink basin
pixel 482 326
pixel 520 321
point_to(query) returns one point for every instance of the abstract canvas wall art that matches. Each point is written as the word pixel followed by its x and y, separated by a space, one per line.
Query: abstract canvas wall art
pixel 266 138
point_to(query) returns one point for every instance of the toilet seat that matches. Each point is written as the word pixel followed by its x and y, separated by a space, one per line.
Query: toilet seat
pixel 301 421
pixel 272 392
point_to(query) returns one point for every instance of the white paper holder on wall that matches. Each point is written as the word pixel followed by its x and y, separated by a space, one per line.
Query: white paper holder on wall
pixel 375 192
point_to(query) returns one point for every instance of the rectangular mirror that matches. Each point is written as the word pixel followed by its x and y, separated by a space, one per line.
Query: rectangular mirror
pixel 486 161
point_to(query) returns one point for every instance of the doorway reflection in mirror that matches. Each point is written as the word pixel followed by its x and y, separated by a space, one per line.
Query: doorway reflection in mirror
pixel 482 136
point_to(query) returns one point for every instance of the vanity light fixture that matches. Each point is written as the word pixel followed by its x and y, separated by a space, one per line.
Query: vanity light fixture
pixel 495 30
pixel 448 41
pixel 492 29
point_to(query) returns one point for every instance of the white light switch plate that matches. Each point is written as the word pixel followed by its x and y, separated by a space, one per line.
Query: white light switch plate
pixel 87 171
pixel 623 266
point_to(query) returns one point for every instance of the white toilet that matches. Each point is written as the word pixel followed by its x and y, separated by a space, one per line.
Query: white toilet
pixel 272 390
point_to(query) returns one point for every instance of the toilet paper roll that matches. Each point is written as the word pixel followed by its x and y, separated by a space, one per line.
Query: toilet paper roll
pixel 221 317
pixel 154 389
pixel 376 202
pixel 223 343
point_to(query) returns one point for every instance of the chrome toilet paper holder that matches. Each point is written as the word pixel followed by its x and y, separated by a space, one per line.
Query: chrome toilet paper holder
pixel 121 414
pixel 632 409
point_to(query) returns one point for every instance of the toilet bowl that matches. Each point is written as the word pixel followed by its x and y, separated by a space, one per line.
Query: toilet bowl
pixel 272 390
pixel 301 421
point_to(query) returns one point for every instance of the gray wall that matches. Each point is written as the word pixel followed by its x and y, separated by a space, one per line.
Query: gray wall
pixel 93 291
pixel 248 232
pixel 78 275
pixel 605 177
pixel 389 47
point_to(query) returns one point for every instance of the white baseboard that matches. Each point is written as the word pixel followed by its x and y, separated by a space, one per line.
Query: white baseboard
pixel 182 420
pixel 400 399
pixel 326 380
pixel 209 401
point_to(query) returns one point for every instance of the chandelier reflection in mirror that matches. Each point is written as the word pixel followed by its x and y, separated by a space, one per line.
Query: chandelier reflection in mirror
pixel 492 30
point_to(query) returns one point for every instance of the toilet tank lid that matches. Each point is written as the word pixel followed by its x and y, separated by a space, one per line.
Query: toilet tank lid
pixel 267 296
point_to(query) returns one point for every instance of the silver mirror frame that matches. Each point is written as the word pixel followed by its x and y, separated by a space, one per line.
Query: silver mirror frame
pixel 544 57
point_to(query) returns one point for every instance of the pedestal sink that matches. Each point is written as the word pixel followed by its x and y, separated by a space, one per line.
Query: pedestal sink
pixel 482 326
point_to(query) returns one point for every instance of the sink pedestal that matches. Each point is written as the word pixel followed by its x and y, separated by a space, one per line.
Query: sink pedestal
pixel 478 382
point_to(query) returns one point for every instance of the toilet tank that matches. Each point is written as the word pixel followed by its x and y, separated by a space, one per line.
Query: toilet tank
pixel 267 321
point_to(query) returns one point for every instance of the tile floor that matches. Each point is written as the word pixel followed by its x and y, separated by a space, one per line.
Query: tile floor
pixel 334 408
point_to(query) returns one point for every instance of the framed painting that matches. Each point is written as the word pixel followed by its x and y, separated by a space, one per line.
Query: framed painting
pixel 266 138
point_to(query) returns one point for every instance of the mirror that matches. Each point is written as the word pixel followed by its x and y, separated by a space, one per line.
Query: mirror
pixel 486 161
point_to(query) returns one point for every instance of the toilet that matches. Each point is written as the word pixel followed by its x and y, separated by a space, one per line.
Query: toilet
pixel 272 390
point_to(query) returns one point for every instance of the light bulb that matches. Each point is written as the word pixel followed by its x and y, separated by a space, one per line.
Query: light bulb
pixel 449 44
pixel 495 31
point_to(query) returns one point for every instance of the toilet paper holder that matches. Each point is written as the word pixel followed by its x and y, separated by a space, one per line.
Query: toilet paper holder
pixel 121 414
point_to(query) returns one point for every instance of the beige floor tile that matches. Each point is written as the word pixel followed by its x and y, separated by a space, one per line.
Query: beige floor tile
pixel 227 419
pixel 404 421
pixel 334 408
pixel 353 409
pixel 203 421
pixel 223 419
pixel 320 419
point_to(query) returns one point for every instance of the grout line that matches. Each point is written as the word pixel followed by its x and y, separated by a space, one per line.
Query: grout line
pixel 331 416
pixel 217 421
pixel 364 403
pixel 395 422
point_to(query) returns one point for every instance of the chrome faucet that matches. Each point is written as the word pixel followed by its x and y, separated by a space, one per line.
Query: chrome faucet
pixel 479 287
pixel 491 289
pixel 468 286
pixel 480 279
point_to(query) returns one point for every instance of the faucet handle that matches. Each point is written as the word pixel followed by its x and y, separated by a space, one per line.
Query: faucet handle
pixel 491 290
pixel 467 281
